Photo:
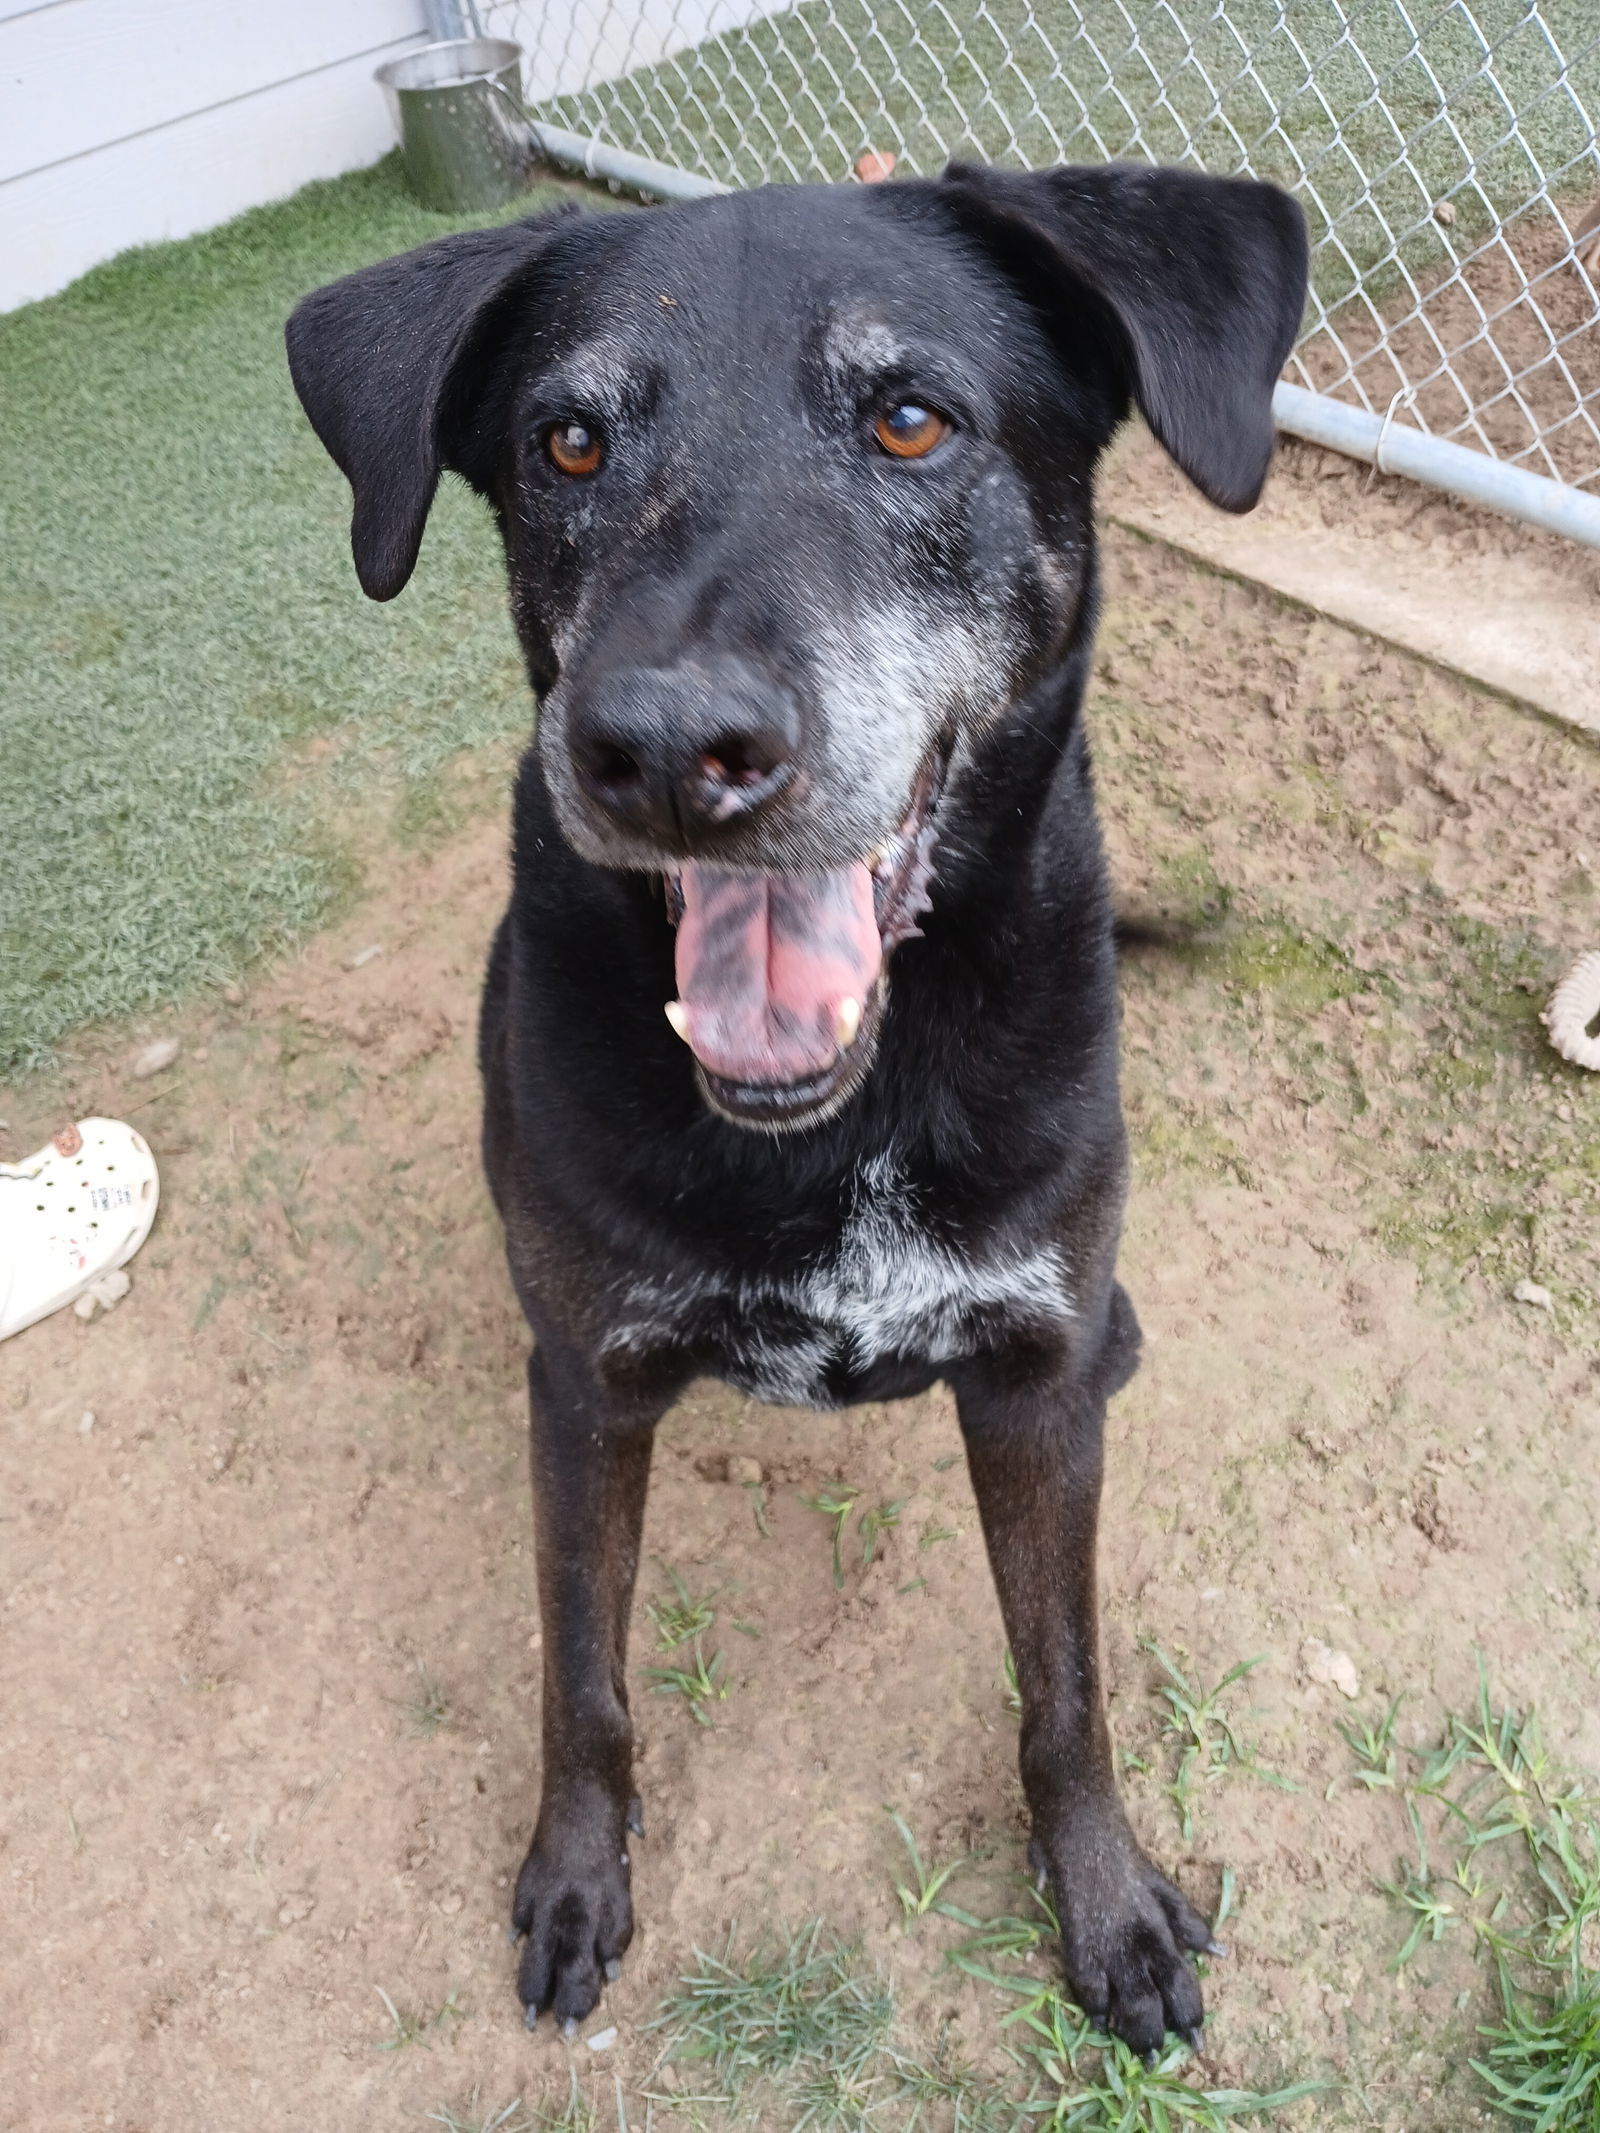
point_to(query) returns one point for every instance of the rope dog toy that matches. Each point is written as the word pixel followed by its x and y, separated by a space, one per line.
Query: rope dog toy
pixel 1573 1006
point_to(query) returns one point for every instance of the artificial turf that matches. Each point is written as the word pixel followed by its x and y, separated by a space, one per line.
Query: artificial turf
pixel 180 623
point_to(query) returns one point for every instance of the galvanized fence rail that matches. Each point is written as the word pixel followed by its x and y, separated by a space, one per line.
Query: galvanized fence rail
pixel 1445 154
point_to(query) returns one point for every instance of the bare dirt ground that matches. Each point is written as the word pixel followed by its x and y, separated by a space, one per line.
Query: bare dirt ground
pixel 270 1655
pixel 1495 601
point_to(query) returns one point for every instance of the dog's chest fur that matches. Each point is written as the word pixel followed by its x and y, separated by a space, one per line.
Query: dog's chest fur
pixel 886 1289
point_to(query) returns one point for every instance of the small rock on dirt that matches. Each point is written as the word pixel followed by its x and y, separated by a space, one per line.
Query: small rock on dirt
pixel 1329 1669
pixel 363 956
pixel 602 2040
pixel 86 1422
pixel 154 1058
pixel 1535 1293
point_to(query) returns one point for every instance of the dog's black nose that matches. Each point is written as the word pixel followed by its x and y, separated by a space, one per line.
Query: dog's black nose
pixel 673 750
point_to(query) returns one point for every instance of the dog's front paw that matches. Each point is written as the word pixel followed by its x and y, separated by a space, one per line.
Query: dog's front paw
pixel 574 1912
pixel 1126 1935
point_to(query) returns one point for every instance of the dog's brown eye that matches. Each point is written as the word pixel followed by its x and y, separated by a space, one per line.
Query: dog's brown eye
pixel 910 431
pixel 575 448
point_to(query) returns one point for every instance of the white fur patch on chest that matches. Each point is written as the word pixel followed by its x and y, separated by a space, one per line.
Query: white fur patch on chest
pixel 886 1289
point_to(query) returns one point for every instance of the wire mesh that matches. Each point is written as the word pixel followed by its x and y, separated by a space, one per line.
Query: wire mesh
pixel 1445 154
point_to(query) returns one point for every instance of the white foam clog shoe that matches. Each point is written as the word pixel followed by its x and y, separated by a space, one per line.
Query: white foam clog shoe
pixel 70 1215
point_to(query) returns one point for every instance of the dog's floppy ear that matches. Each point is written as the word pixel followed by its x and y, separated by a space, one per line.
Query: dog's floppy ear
pixel 1206 277
pixel 374 358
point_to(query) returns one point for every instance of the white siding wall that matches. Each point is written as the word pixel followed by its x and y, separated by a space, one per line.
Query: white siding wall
pixel 126 121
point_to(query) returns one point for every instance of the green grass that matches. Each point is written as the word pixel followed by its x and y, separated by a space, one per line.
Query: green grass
pixel 179 620
pixel 1507 1848
pixel 414 2027
pixel 922 1893
pixel 1197 1723
pixel 683 1617
pixel 700 1681
pixel 800 2030
pixel 472 2118
pixel 680 1615
pixel 577 2115
pixel 429 1708
pixel 834 1504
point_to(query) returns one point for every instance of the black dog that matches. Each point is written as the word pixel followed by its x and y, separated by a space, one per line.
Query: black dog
pixel 795 488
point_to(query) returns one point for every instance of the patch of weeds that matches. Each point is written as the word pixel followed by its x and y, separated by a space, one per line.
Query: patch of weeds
pixel 1372 1744
pixel 921 1895
pixel 1431 1915
pixel 801 2017
pixel 414 2028
pixel 682 1615
pixel 1543 2062
pixel 933 1533
pixel 872 1524
pixel 1010 1684
pixel 835 1504
pixel 1525 1880
pixel 700 1684
pixel 1095 2084
pixel 429 1708
pixel 511 2119
pixel 1079 2080
pixel 1209 1746
pixel 966 2101
pixel 575 2116
pixel 800 2031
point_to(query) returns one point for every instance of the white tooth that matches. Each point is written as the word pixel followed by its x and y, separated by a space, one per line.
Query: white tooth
pixel 678 1016
pixel 878 857
pixel 849 1021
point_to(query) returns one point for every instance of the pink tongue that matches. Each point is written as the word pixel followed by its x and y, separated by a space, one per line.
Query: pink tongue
pixel 764 963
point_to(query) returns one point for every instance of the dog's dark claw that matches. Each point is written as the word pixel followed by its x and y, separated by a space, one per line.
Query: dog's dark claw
pixel 530 2018
pixel 636 1816
pixel 1213 1947
pixel 515 1935
pixel 569 2029
pixel 1195 2039
pixel 613 1969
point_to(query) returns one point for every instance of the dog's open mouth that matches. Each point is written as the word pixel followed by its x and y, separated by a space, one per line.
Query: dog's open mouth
pixel 782 977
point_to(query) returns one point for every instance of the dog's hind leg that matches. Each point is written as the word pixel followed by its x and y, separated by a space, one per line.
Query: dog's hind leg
pixel 591 1469
pixel 1033 1438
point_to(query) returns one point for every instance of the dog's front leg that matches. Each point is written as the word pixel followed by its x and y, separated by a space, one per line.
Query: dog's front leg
pixel 1034 1450
pixel 591 1468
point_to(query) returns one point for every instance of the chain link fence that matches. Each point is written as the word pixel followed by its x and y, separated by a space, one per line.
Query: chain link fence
pixel 1445 154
